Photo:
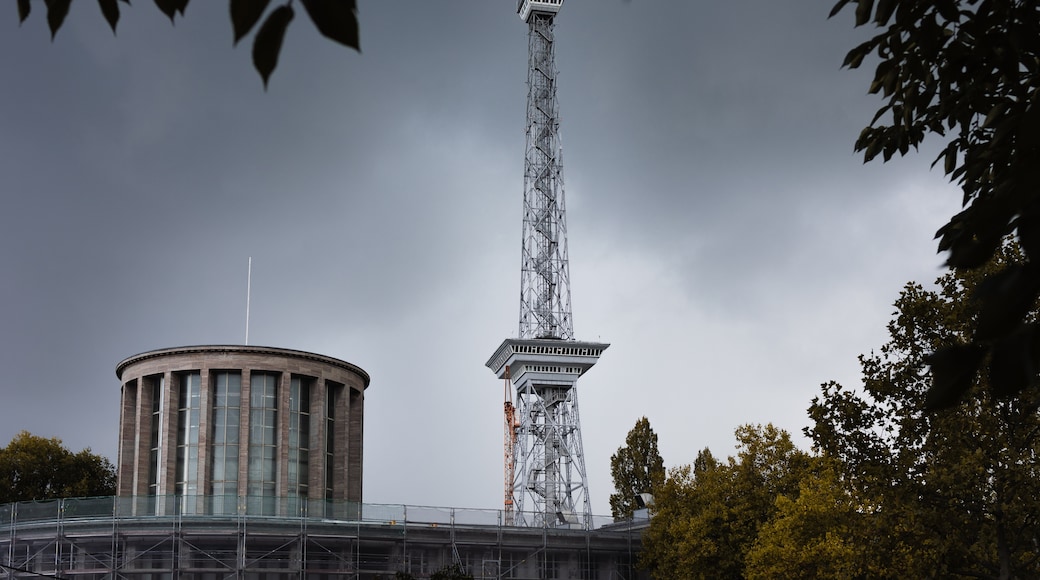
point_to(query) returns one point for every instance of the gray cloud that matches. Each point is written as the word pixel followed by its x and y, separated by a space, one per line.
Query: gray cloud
pixel 724 237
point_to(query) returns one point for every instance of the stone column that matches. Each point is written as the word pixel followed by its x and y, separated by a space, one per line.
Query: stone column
pixel 126 477
pixel 243 440
pixel 282 441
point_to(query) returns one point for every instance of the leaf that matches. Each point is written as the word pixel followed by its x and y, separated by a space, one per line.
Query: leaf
pixel 855 57
pixel 171 7
pixel 110 10
pixel 885 9
pixel 973 235
pixel 953 373
pixel 57 10
pixel 245 14
pixel 168 7
pixel 837 7
pixel 994 114
pixel 268 42
pixel 951 158
pixel 24 7
pixel 336 20
pixel 1005 298
pixel 863 11
pixel 1028 228
pixel 948 10
pixel 1013 364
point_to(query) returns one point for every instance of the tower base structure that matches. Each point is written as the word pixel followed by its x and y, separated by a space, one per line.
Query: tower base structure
pixel 550 487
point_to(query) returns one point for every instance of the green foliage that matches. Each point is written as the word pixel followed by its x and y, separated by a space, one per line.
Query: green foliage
pixel 968 72
pixel 36 468
pixel 452 572
pixel 937 494
pixel 811 536
pixel 334 19
pixel 637 468
pixel 707 516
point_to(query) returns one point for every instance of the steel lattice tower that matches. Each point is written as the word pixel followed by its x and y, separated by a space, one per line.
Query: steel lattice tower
pixel 545 478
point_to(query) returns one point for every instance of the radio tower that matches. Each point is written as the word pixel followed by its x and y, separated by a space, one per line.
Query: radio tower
pixel 545 478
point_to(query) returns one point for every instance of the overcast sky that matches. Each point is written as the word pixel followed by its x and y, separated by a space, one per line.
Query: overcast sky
pixel 724 237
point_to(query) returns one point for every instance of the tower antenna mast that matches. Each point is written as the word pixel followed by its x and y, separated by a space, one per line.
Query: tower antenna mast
pixel 546 483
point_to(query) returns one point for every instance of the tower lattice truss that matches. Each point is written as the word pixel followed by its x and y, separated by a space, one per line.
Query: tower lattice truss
pixel 546 482
pixel 545 291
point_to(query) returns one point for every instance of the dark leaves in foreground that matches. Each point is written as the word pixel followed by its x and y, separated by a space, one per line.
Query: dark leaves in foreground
pixel 110 10
pixel 953 373
pixel 56 12
pixel 268 42
pixel 172 7
pixel 963 73
pixel 24 8
pixel 335 19
pixel 245 14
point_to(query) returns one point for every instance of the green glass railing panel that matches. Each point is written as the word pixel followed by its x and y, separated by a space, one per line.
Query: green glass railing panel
pixel 89 507
pixel 31 511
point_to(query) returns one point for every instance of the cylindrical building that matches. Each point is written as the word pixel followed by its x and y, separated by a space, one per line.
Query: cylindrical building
pixel 240 429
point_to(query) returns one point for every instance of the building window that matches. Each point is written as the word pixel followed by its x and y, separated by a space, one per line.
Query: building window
pixel 227 397
pixel 157 384
pixel 263 415
pixel 299 440
pixel 188 411
pixel 551 565
pixel 331 396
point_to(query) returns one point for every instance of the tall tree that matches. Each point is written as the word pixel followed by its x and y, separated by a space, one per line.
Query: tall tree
pixel 967 72
pixel 36 468
pixel 637 468
pixel 954 493
pixel 707 516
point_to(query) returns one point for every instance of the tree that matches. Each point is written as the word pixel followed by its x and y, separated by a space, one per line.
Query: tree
pixel 334 19
pixel 813 535
pixel 953 493
pixel 637 468
pixel 36 468
pixel 968 72
pixel 707 516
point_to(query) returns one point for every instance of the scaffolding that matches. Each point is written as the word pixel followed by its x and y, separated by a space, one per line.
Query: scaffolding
pixel 102 538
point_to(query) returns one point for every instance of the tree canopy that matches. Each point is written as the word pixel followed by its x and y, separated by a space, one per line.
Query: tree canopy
pixel 37 468
pixel 334 19
pixel 707 516
pixel 953 493
pixel 893 488
pixel 637 468
pixel 967 72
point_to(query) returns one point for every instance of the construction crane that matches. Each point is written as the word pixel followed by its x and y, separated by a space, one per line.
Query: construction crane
pixel 511 425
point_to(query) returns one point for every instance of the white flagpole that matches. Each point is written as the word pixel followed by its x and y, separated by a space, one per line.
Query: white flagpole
pixel 249 282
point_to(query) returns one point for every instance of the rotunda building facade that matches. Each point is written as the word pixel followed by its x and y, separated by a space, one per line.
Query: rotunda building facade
pixel 240 430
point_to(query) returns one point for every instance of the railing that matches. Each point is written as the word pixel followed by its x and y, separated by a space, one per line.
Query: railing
pixel 249 507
